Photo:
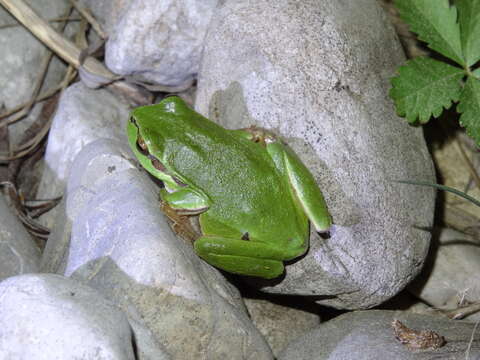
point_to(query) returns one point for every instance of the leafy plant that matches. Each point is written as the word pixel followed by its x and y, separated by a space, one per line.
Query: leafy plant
pixel 425 86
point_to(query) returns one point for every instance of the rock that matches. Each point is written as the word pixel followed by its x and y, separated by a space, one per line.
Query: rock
pixel 83 116
pixel 159 42
pixel 18 252
pixel 279 323
pixel 19 66
pixel 317 74
pixel 369 335
pixel 121 245
pixel 450 277
pixel 47 316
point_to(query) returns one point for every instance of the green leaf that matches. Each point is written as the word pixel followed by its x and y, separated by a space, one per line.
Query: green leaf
pixel 469 106
pixel 469 20
pixel 424 87
pixel 435 22
pixel 476 73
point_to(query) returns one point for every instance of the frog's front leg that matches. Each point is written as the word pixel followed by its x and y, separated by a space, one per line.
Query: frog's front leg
pixel 185 201
pixel 243 257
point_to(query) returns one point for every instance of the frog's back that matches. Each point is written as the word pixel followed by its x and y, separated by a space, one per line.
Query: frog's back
pixel 238 176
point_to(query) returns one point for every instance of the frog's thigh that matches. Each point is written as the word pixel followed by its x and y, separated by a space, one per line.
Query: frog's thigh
pixel 183 199
pixel 241 256
pixel 306 189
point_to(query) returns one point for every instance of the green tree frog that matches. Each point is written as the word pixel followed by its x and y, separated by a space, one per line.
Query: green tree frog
pixel 253 195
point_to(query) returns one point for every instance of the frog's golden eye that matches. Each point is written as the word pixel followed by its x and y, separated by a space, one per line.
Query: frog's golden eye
pixel 141 146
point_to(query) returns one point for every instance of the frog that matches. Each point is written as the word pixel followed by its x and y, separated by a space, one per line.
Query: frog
pixel 254 197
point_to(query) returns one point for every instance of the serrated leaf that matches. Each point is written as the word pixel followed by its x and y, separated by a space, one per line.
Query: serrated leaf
pixel 476 73
pixel 469 107
pixel 424 87
pixel 435 22
pixel 469 20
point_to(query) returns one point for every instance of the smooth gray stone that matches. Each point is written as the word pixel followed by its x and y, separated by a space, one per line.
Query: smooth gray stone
pixel 121 245
pixel 48 316
pixel 159 42
pixel 18 252
pixel 83 116
pixel 368 335
pixel 22 55
pixel 317 74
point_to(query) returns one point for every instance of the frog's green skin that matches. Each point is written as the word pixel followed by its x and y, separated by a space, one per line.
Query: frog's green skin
pixel 254 198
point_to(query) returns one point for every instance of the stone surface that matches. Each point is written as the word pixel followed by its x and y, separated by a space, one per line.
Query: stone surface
pixel 18 252
pixel 159 42
pixel 52 317
pixel 83 116
pixel 121 244
pixel 21 57
pixel 279 323
pixel 317 73
pixel 368 335
pixel 450 278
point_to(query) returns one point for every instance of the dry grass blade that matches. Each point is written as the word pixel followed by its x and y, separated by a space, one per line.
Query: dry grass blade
pixel 16 200
pixel 48 108
pixel 29 146
pixel 36 208
pixel 44 95
pixel 55 20
pixel 90 18
pixel 63 47
pixel 38 85
pixel 467 352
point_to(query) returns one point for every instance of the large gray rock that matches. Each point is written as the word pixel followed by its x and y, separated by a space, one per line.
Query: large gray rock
pixel 18 252
pixel 52 317
pixel 157 42
pixel 317 73
pixel 369 335
pixel 115 238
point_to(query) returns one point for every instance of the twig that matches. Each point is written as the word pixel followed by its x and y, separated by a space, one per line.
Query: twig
pixel 54 20
pixel 38 85
pixel 467 353
pixel 43 71
pixel 90 18
pixel 43 95
pixel 31 225
pixel 58 43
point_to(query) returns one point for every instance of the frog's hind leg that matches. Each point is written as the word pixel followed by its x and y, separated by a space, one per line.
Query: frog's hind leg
pixel 241 256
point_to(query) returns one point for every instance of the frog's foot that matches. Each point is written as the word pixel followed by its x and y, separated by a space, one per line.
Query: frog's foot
pixel 180 223
pixel 241 256
pixel 184 201
pixel 257 135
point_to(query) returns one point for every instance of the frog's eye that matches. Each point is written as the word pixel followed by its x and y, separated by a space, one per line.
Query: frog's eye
pixel 245 236
pixel 141 146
